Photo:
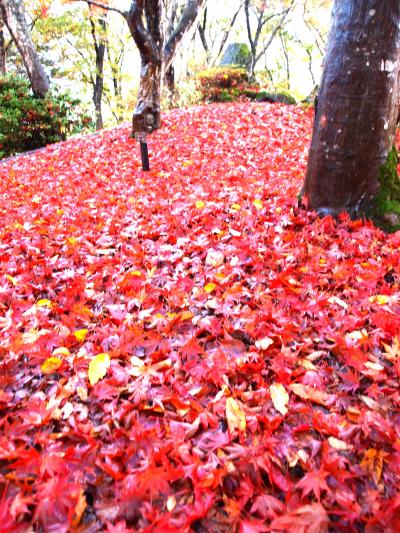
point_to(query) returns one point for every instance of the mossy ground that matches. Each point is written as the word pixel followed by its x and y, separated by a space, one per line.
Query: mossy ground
pixel 386 210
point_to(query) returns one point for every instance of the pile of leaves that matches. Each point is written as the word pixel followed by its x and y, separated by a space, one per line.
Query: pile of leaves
pixel 185 349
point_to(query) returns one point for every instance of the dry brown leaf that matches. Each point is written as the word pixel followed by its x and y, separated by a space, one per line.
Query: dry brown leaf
pixel 305 392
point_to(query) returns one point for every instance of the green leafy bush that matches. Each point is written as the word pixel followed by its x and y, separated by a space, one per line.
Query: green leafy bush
pixel 282 97
pixel 222 84
pixel 27 123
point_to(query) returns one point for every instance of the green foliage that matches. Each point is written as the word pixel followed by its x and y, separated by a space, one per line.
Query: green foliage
pixel 223 84
pixel 265 96
pixel 386 210
pixel 27 123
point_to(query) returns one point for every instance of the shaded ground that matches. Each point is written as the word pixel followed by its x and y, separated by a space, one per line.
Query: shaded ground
pixel 255 360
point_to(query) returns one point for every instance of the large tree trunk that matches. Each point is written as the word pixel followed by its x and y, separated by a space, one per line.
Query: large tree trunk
pixel 2 50
pixel 355 123
pixel 149 40
pixel 13 14
pixel 145 23
pixel 146 117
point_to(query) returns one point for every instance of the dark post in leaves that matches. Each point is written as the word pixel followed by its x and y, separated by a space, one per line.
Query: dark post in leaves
pixel 141 137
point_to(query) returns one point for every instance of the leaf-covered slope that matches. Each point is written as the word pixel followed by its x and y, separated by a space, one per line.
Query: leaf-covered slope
pixel 184 350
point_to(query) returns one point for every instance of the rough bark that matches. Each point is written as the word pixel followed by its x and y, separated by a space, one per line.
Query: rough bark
pixel 355 123
pixel 144 20
pixel 13 14
pixel 2 50
pixel 147 117
pixel 149 40
pixel 170 79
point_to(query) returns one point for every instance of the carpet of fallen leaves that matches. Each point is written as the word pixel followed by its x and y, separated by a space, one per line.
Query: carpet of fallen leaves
pixel 186 349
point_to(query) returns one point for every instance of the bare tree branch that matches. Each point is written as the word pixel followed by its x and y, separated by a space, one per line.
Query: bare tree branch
pixel 275 31
pixel 141 36
pixel 202 32
pixel 227 32
pixel 189 15
pixel 103 6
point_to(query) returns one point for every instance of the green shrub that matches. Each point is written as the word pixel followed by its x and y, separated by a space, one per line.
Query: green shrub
pixel 27 123
pixel 222 84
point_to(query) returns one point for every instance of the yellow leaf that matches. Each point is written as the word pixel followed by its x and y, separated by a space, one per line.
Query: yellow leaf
pixel 280 397
pixel 80 334
pixel 392 352
pixel 186 315
pixel 338 301
pixel 51 365
pixel 31 336
pixel 258 204
pixel 210 287
pixel 171 503
pixel 380 299
pixel 71 240
pixel 11 279
pixel 200 204
pixel 62 350
pixel 82 393
pixel 264 344
pixel 98 367
pixel 234 415
pixel 236 207
pixel 188 163
pixel 307 364
pixel 356 335
pixel 44 303
pixel 337 444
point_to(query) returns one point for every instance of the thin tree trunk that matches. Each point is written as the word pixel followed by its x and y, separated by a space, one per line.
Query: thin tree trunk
pixel 3 68
pixel 355 124
pixel 116 67
pixel 202 32
pixel 13 14
pixel 99 40
pixel 170 79
pixel 252 41
pixel 287 62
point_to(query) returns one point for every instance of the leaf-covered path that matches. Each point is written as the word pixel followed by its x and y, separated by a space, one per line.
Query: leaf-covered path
pixel 184 349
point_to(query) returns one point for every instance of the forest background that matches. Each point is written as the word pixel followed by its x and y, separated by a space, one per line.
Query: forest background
pixel 289 50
